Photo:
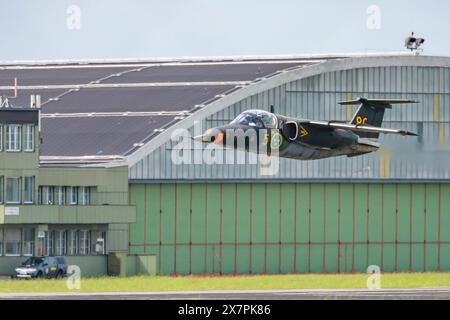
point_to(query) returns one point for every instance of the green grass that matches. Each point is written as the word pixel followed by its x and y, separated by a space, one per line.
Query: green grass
pixel 260 282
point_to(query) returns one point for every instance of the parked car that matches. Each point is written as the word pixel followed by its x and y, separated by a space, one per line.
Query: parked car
pixel 42 267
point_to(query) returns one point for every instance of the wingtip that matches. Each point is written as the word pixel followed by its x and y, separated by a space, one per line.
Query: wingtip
pixel 409 133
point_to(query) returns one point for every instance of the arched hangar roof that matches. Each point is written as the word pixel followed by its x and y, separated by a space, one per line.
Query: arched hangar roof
pixel 116 111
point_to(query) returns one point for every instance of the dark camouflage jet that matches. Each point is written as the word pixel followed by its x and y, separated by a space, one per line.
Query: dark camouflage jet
pixel 257 130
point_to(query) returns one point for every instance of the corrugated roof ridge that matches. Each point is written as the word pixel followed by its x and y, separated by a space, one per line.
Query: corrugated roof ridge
pixel 230 58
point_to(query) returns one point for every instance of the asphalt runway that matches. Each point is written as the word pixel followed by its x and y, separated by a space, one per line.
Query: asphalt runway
pixel 316 294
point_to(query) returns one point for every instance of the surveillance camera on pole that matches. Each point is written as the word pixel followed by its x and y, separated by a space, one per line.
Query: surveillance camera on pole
pixel 413 43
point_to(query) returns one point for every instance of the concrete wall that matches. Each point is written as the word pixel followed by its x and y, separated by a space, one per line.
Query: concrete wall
pixel 91 266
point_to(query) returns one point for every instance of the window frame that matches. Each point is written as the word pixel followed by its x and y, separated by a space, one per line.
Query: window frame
pixel 84 196
pixel 1 137
pixel 19 244
pixel 60 242
pixel 31 242
pixel 49 190
pixel 73 192
pixel 74 238
pixel 49 240
pixel 2 189
pixel 18 138
pixel 60 195
pixel 84 247
pixel 32 178
pixel 1 241
pixel 19 179
pixel 26 131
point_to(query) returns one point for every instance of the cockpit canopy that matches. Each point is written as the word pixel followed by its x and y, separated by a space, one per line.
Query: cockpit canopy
pixel 257 118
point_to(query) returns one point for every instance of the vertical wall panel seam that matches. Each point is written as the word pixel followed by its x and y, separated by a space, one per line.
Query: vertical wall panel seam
pixel 439 225
pixel 324 247
pixel 425 228
pixel 279 228
pixel 221 227
pixel 235 226
pixel 309 230
pixel 295 227
pixel 175 231
pixel 160 227
pixel 206 230
pixel 265 228
pixel 339 228
pixel 354 227
pixel 382 227
pixel 368 225
pixel 410 225
pixel 396 227
pixel 190 228
pixel 250 267
pixel 129 225
pixel 145 218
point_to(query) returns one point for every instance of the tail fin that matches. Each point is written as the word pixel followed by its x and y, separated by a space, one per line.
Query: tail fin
pixel 371 112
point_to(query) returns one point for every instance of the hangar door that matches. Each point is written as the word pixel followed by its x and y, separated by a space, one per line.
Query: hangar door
pixel 254 228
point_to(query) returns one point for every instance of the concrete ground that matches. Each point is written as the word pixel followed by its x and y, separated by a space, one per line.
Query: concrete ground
pixel 335 294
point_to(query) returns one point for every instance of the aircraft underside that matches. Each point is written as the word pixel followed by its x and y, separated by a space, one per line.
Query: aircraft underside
pixel 301 152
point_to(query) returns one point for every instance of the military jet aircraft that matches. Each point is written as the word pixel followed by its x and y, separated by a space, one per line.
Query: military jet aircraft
pixel 301 139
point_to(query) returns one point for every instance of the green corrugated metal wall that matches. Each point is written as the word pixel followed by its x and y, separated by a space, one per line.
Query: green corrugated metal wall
pixel 292 228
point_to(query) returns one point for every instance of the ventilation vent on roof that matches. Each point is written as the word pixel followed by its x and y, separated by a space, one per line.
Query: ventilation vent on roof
pixel 35 101
pixel 138 144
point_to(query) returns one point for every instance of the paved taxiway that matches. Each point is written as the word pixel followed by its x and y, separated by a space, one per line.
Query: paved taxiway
pixel 334 294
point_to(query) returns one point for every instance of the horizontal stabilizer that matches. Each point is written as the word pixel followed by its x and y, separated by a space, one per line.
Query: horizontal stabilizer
pixel 382 103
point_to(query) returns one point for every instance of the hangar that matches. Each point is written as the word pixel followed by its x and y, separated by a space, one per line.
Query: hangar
pixel 109 126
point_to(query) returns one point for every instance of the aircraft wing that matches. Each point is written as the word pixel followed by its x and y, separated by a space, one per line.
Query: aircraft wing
pixel 356 127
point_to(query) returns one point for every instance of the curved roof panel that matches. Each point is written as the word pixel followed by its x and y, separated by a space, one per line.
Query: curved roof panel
pixel 111 109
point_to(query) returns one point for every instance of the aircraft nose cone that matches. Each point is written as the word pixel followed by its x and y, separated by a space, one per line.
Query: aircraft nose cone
pixel 212 135
pixel 200 138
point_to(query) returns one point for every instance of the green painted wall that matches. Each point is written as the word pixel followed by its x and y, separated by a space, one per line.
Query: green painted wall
pixel 288 228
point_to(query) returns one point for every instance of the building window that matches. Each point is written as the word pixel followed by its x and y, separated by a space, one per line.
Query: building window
pixel 28 241
pixel 84 195
pixel 85 242
pixel 1 242
pixel 13 241
pixel 60 195
pixel 74 242
pixel 1 188
pixel 13 137
pixel 40 195
pixel 50 196
pixel 13 190
pixel 73 195
pixel 28 133
pixel 48 243
pixel 61 242
pixel 28 189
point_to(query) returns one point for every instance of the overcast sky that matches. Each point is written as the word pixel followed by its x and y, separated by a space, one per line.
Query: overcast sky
pixel 74 29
